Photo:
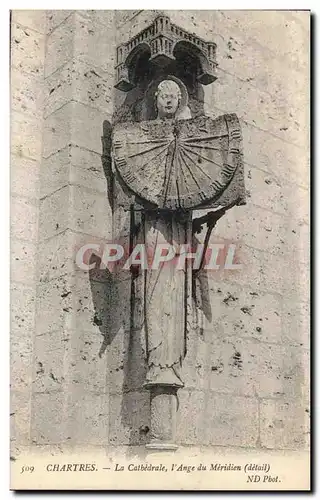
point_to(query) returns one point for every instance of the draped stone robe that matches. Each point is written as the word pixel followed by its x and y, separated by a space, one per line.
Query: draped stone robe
pixel 167 290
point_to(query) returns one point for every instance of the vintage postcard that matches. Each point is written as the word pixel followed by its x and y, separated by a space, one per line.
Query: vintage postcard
pixel 160 250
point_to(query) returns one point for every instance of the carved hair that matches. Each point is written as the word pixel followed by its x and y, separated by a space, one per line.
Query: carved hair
pixel 169 86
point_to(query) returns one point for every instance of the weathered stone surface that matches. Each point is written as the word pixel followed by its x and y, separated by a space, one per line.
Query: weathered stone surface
pixel 260 270
pixel 27 50
pixel 121 223
pixel 57 131
pixel 126 372
pixel 27 53
pixel 268 230
pixel 27 59
pixel 163 406
pixel 296 282
pixel 301 210
pixel 26 93
pixel 88 138
pixel 230 228
pixel 92 305
pixel 265 270
pixel 21 363
pixel 65 126
pixel 239 38
pixel 86 369
pixel 77 208
pixel 91 212
pixel 24 179
pixel 266 190
pixel 54 305
pixel 25 136
pixel 230 420
pixel 306 366
pixel 54 213
pixel 121 17
pixel 120 303
pixel 48 407
pixel 105 17
pixel 79 81
pixel 49 367
pixel 72 165
pixel 296 53
pixel 23 261
pixel 88 419
pixel 287 162
pixel 75 301
pixel 94 44
pixel 244 368
pixel 131 22
pixel 34 19
pixel 129 418
pixel 23 219
pixel 56 256
pixel 80 36
pixel 190 417
pixel 64 253
pixel 243 312
pixel 19 417
pixel 296 323
pixel 56 17
pixel 298 238
pixel 115 353
pixel 194 365
pixel 88 160
pixel 60 40
pixel 69 360
pixel 233 95
pixel 284 424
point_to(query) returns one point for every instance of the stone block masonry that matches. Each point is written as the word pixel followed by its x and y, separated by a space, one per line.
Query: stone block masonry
pixel 27 83
pixel 73 380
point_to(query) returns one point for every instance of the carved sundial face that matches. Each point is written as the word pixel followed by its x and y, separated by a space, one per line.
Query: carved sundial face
pixel 178 164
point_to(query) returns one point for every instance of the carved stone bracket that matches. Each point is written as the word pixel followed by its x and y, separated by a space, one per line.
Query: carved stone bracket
pixel 162 41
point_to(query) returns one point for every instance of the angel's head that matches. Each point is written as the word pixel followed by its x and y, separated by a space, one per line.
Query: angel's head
pixel 168 98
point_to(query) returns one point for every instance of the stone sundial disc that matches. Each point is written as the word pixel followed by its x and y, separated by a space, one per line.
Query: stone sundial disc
pixel 178 164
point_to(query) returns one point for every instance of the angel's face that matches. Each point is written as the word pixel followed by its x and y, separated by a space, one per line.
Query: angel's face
pixel 168 99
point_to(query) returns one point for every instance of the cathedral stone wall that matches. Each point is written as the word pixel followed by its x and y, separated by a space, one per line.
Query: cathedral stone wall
pixel 73 381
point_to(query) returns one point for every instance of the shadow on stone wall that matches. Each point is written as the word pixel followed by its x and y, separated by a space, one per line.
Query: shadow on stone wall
pixel 96 277
pixel 200 295
pixel 124 352
pixel 122 344
pixel 106 158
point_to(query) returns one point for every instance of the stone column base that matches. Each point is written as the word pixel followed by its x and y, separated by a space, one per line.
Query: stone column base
pixel 163 417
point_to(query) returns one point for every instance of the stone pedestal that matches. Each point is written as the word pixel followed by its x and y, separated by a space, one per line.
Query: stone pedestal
pixel 164 404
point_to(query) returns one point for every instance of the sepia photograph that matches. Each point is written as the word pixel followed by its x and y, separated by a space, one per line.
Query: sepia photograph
pixel 160 250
